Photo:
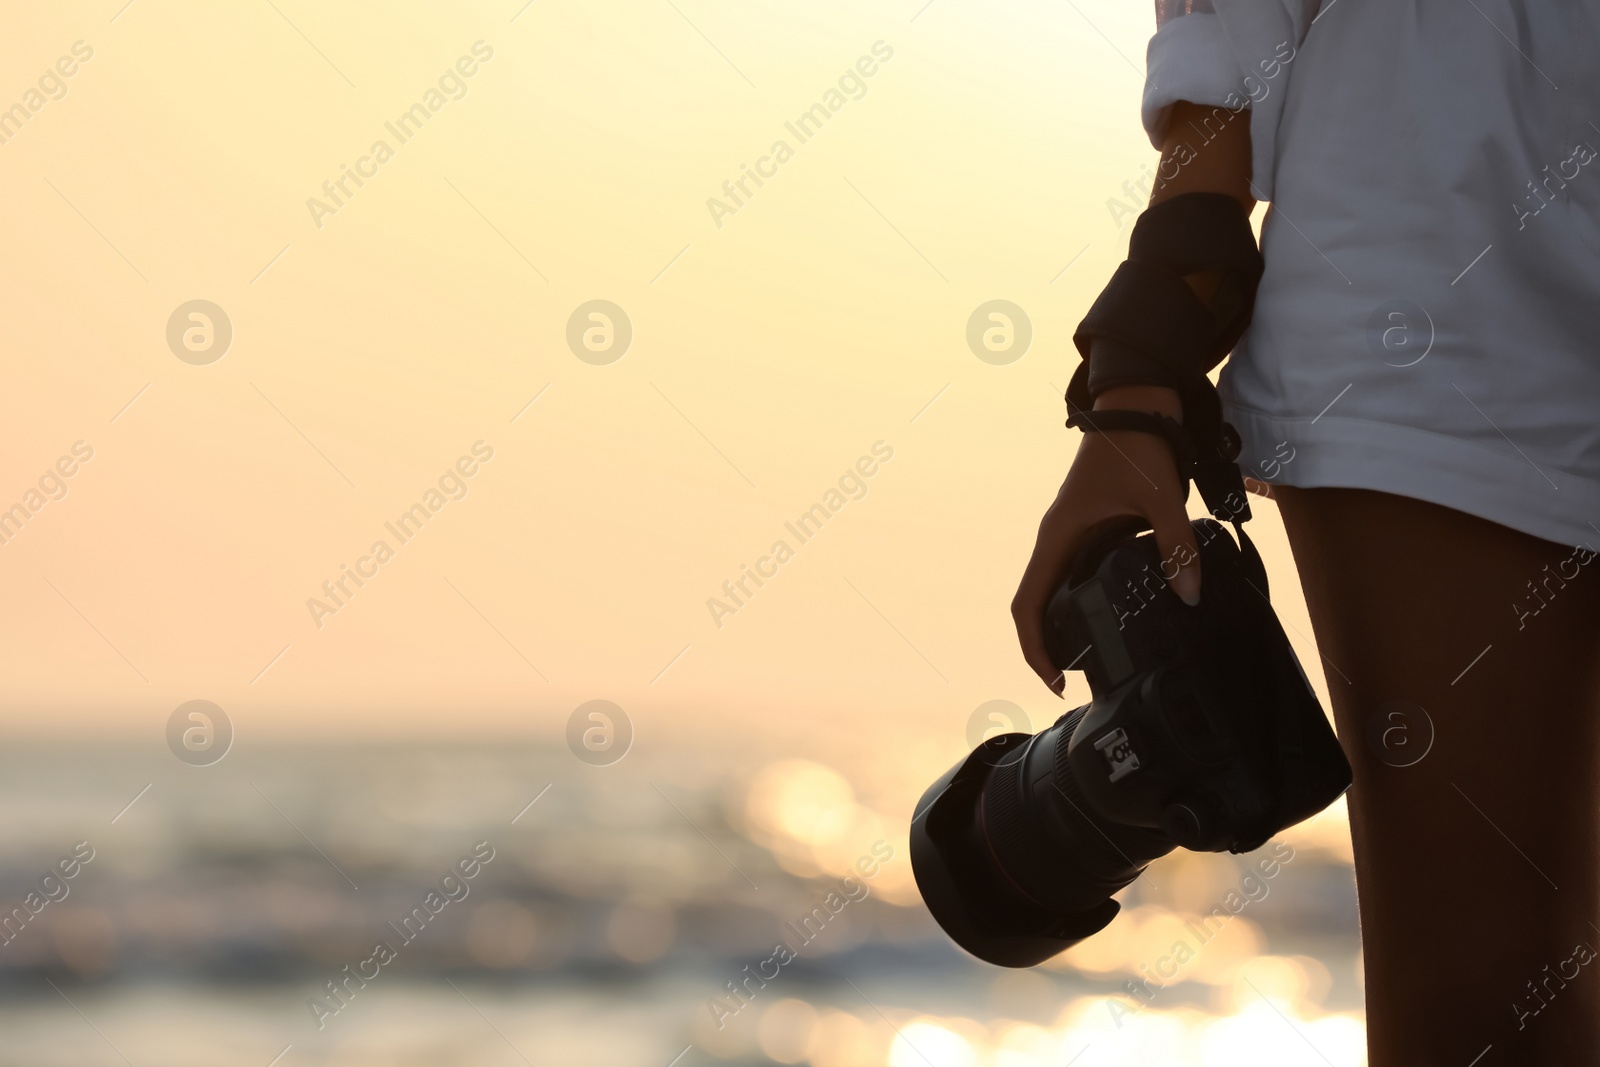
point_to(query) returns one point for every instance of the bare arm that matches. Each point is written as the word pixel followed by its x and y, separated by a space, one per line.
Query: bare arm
pixel 1189 163
pixel 1220 165
pixel 1192 164
pixel 1132 473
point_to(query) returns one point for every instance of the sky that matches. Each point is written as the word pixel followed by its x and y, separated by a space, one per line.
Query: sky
pixel 254 363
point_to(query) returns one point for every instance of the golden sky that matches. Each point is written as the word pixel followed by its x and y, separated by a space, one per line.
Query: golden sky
pixel 419 317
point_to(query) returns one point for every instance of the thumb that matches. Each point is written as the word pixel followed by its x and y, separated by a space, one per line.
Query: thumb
pixel 1180 553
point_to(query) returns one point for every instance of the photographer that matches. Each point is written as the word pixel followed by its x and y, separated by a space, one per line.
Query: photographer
pixel 1427 496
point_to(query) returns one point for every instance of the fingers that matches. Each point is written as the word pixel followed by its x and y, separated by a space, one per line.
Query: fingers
pixel 1057 539
pixel 1100 487
pixel 1031 635
pixel 1027 611
pixel 1180 553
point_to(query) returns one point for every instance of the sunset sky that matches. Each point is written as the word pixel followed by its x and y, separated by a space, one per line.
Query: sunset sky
pixel 421 319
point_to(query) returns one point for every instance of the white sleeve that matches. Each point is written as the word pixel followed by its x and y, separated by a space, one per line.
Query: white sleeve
pixel 1226 53
pixel 1188 59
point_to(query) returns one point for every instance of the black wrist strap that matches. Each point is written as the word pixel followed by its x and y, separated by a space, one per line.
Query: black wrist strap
pixel 1148 324
pixel 1150 422
pixel 1149 327
pixel 1203 446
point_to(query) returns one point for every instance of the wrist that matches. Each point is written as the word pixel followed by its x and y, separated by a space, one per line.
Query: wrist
pixel 1156 398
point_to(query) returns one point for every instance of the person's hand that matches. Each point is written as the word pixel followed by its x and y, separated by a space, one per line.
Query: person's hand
pixel 1116 474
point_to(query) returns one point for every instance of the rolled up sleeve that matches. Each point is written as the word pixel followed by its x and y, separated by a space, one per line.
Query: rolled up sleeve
pixel 1189 58
pixel 1226 53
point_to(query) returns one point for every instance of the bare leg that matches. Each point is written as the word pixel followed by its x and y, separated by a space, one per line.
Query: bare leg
pixel 1477 868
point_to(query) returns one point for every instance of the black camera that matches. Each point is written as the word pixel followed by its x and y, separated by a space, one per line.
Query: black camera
pixel 1203 732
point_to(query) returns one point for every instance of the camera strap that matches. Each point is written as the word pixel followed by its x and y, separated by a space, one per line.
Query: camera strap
pixel 1149 326
pixel 1204 445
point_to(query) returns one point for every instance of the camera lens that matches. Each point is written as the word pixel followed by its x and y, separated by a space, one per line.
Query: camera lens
pixel 1044 838
pixel 1009 857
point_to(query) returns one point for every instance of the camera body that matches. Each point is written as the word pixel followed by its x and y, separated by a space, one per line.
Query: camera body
pixel 1203 723
pixel 1203 732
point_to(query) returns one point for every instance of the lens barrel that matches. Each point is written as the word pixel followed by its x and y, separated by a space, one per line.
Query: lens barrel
pixel 1010 860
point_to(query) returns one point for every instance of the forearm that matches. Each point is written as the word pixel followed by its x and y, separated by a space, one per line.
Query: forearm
pixel 1206 150
pixel 1191 164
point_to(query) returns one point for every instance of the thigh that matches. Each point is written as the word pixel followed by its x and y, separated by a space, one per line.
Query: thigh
pixel 1477 865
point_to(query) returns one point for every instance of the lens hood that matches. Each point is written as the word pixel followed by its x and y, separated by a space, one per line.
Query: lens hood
pixel 990 918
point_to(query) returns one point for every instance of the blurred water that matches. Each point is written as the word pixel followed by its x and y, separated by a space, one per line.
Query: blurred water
pixel 614 910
